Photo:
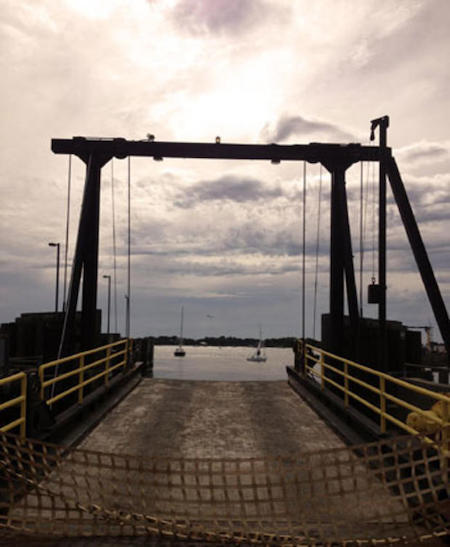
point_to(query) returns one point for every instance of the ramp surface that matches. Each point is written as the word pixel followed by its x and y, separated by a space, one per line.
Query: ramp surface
pixel 218 462
pixel 211 419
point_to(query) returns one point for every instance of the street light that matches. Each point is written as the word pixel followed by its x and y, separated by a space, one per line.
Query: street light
pixel 108 277
pixel 57 273
pixel 127 316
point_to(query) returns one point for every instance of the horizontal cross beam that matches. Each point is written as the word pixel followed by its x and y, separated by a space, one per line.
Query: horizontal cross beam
pixel 327 154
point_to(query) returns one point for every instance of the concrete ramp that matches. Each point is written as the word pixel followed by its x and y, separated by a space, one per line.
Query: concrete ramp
pixel 206 419
pixel 222 462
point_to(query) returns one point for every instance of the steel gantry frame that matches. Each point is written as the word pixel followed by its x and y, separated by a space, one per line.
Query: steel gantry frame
pixel 336 158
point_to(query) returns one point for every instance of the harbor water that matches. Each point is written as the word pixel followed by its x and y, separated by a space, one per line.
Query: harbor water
pixel 221 363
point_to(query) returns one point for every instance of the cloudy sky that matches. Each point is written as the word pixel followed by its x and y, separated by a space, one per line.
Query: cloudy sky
pixel 221 238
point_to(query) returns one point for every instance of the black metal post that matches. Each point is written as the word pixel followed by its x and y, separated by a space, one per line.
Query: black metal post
pixel 421 256
pixel 382 123
pixel 67 336
pixel 336 264
pixel 85 260
pixel 90 258
pixel 383 356
pixel 352 297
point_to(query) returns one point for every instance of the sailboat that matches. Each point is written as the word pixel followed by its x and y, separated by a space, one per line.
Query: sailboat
pixel 179 352
pixel 259 355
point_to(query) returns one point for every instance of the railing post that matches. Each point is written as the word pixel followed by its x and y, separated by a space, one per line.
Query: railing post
pixel 346 384
pixel 445 448
pixel 41 379
pixel 81 379
pixel 304 360
pixel 322 371
pixel 108 361
pixel 129 352
pixel 23 406
pixel 382 404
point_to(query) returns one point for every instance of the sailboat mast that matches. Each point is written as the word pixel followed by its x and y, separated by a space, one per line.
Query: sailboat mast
pixel 181 326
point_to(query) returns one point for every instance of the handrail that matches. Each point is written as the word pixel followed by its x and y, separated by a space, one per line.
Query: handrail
pixel 317 356
pixel 77 355
pixel 20 400
pixel 79 359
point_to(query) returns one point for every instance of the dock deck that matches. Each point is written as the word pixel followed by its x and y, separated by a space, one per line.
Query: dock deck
pixel 208 419
pixel 220 461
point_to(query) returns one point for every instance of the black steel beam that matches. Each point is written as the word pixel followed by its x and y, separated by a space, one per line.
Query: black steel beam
pixel 336 264
pixel 90 256
pixel 122 148
pixel 352 297
pixel 85 261
pixel 420 253
pixel 383 124
pixel 67 336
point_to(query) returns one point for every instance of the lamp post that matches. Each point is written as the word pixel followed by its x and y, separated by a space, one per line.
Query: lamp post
pixel 57 273
pixel 127 316
pixel 108 277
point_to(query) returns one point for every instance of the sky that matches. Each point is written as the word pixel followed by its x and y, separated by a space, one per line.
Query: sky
pixel 221 238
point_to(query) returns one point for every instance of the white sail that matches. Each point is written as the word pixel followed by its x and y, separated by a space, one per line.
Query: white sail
pixel 259 355
pixel 179 352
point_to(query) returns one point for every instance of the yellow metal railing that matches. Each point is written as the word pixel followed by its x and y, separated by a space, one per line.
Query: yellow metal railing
pixel 82 363
pixel 21 401
pixel 322 358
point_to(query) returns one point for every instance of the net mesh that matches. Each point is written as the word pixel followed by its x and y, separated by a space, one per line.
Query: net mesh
pixel 391 490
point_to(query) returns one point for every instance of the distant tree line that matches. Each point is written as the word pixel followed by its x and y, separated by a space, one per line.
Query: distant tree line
pixel 286 342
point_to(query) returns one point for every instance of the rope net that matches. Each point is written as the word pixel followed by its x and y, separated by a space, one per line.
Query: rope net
pixel 394 490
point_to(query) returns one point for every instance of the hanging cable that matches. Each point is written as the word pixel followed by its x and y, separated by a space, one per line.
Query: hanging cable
pixel 66 244
pixel 116 328
pixel 361 238
pixel 129 253
pixel 316 276
pixel 304 252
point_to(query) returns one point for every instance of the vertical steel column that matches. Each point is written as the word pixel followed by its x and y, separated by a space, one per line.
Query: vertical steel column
pixel 85 261
pixel 352 297
pixel 90 262
pixel 383 124
pixel 382 356
pixel 67 336
pixel 336 263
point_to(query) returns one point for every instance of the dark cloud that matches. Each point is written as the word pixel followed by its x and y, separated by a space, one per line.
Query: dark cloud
pixel 218 16
pixel 425 152
pixel 429 203
pixel 248 239
pixel 288 126
pixel 232 268
pixel 228 187
pixel 432 214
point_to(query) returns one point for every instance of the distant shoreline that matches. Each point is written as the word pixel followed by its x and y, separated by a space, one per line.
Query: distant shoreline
pixel 228 341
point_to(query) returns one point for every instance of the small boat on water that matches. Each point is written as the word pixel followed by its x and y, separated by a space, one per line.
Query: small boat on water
pixel 260 355
pixel 179 352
